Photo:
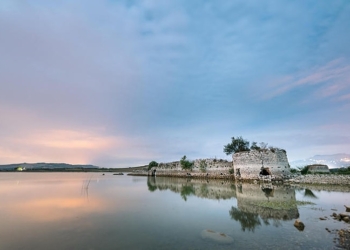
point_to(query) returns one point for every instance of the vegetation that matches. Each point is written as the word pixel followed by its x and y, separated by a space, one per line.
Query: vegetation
pixel 344 170
pixel 152 164
pixel 294 171
pixel 186 191
pixel 186 164
pixel 239 144
pixel 254 146
pixel 231 171
pixel 203 166
pixel 304 170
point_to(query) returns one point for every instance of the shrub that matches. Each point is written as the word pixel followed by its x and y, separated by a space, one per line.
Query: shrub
pixel 202 166
pixel 186 164
pixel 254 146
pixel 231 171
pixel 294 171
pixel 304 170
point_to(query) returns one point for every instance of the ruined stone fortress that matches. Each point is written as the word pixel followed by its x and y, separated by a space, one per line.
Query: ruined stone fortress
pixel 268 163
pixel 247 165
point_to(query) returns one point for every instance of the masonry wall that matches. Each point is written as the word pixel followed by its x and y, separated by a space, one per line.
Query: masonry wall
pixel 318 169
pixel 215 168
pixel 250 163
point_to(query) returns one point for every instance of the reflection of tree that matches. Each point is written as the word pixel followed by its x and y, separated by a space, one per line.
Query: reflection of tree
pixel 151 183
pixel 240 190
pixel 309 193
pixel 204 190
pixel 268 192
pixel 186 191
pixel 248 220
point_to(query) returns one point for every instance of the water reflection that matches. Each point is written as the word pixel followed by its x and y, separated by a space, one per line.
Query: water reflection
pixel 309 193
pixel 256 204
pixel 209 189
pixel 268 201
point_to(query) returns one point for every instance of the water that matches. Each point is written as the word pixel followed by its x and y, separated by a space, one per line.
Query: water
pixel 95 211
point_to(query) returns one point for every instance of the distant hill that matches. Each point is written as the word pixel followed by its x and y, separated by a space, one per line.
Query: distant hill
pixel 45 166
pixel 332 161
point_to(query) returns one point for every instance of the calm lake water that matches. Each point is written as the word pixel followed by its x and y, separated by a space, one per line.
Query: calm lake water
pixel 95 211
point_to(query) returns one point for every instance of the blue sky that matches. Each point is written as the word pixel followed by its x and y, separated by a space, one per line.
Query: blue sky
pixel 122 83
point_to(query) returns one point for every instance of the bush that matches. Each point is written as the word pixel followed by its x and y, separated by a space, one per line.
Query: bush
pixel 294 171
pixel 304 170
pixel 152 164
pixel 186 164
pixel 254 146
pixel 202 166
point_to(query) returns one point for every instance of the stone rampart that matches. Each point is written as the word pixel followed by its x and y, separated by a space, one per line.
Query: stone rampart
pixel 256 163
pixel 213 168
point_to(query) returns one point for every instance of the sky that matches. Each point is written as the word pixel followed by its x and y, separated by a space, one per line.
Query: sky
pixel 121 83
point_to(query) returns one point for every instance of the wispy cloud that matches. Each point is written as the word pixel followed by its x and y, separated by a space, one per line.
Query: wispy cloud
pixel 127 82
pixel 331 79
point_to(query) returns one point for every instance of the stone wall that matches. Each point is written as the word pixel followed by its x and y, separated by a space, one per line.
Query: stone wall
pixel 215 168
pixel 318 168
pixel 249 164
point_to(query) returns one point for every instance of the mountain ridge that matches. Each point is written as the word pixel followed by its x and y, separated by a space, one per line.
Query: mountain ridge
pixel 332 161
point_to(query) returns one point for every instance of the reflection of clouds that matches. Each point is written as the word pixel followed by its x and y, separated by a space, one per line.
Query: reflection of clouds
pixel 47 200
pixel 56 209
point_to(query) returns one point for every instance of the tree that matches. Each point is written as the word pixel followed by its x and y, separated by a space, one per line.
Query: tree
pixel 237 145
pixel 186 164
pixel 254 146
pixel 263 145
pixel 152 164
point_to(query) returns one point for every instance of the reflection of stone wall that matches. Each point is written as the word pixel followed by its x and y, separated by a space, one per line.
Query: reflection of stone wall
pixel 269 201
pixel 249 163
pixel 209 189
pixel 215 168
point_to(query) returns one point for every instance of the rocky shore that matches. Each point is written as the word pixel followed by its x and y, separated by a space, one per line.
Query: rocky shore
pixel 324 179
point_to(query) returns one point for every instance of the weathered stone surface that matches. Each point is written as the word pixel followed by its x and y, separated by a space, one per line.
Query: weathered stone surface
pixel 342 215
pixel 216 236
pixel 318 168
pixel 346 219
pixel 215 169
pixel 250 164
pixel 299 225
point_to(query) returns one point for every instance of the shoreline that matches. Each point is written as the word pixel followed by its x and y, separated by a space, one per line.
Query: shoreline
pixel 309 179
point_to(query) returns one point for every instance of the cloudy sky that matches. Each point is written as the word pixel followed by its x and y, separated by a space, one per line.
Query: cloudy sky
pixel 122 83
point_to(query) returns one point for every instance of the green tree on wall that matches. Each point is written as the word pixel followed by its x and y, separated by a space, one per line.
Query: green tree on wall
pixel 237 144
pixel 152 164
